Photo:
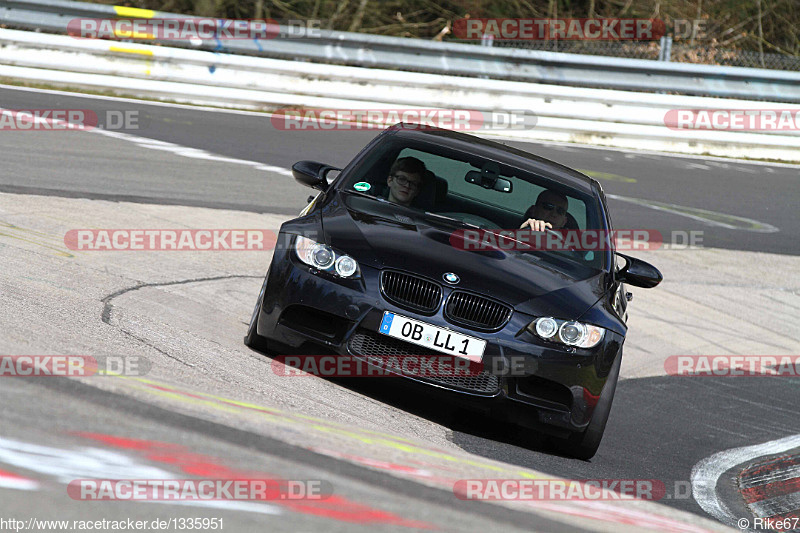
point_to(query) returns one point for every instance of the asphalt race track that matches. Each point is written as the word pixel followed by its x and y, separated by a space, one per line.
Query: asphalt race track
pixel 766 194
pixel 209 407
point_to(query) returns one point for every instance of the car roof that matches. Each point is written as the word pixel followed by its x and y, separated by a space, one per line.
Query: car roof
pixel 496 151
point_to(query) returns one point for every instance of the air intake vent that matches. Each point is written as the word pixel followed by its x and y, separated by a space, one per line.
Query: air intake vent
pixel 365 344
pixel 410 292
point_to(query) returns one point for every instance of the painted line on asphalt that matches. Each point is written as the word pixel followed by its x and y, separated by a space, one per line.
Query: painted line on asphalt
pixel 427 457
pixel 710 218
pixel 177 149
pixel 771 489
pixel 68 464
pixel 336 507
pixel 267 115
pixel 185 151
pixel 706 473
pixel 9 480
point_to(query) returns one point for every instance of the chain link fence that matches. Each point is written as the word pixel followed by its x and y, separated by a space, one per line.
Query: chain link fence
pixel 637 50
pixel 684 53
pixel 678 51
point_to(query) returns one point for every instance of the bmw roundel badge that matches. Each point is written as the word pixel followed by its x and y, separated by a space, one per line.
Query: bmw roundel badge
pixel 451 278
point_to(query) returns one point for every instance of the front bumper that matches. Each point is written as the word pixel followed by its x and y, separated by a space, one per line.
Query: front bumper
pixel 310 312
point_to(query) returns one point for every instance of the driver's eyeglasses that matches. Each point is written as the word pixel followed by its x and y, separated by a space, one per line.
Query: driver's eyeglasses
pixel 547 206
pixel 405 182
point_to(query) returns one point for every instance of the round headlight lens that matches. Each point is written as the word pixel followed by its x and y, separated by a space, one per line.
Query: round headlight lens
pixel 346 266
pixel 546 327
pixel 572 333
pixel 322 256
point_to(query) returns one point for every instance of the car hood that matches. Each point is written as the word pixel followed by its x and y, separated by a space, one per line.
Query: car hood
pixel 384 235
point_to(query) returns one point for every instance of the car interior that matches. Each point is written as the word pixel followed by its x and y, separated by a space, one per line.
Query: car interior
pixel 453 197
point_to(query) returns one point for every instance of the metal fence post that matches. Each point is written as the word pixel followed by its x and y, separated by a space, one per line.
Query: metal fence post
pixel 665 54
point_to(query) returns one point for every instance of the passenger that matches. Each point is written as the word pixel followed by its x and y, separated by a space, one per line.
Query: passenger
pixel 405 180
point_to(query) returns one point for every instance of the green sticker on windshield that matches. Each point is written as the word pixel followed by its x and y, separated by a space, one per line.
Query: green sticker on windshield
pixel 362 186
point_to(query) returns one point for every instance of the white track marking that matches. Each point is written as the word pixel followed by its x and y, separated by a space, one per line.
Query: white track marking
pixel 67 465
pixel 710 218
pixel 772 477
pixel 227 505
pixel 776 506
pixel 702 215
pixel 565 146
pixel 186 151
pixel 13 481
pixel 707 472
pixel 177 149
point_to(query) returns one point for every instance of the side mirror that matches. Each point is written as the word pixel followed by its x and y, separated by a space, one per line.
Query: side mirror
pixel 312 174
pixel 639 273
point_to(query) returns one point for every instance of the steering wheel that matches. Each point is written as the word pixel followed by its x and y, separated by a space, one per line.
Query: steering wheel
pixel 562 239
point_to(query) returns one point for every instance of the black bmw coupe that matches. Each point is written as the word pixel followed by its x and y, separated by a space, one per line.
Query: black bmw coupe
pixel 377 265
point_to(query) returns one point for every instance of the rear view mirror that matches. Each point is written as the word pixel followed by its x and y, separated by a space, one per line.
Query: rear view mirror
pixel 502 185
pixel 639 273
pixel 312 174
pixel 489 178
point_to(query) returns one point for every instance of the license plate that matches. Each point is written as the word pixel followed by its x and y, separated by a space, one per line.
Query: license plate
pixel 433 337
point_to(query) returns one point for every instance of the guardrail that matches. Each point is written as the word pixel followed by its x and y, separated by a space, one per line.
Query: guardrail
pixel 571 114
pixel 419 55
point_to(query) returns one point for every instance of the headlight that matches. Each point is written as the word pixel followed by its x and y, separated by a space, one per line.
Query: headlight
pixel 572 333
pixel 346 266
pixel 569 332
pixel 324 258
pixel 546 327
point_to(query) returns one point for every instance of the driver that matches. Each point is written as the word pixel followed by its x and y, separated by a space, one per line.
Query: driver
pixel 405 180
pixel 549 212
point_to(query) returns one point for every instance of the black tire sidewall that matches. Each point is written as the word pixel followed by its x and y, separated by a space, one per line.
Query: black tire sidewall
pixel 584 444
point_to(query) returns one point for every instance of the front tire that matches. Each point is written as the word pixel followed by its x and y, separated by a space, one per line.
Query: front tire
pixel 253 339
pixel 584 445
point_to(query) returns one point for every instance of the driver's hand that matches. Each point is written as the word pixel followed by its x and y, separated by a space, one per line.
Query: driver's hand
pixel 536 225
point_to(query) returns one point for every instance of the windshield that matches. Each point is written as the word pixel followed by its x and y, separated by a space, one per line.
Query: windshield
pixel 446 186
